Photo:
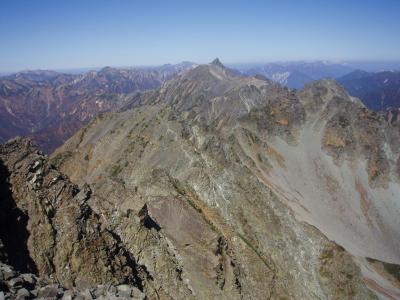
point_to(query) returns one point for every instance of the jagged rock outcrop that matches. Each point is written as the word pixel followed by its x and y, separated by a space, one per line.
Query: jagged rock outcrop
pixel 65 237
pixel 49 229
pixel 246 162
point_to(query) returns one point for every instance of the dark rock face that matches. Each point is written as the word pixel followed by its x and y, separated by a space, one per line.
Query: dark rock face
pixel 14 234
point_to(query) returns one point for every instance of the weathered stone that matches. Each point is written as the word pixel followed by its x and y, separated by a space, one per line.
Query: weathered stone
pixel 84 194
pixel 137 294
pixel 35 166
pixel 28 279
pixel 16 282
pixel 124 290
pixel 6 272
pixel 68 295
pixel 84 295
pixel 100 290
pixel 23 294
pixel 50 292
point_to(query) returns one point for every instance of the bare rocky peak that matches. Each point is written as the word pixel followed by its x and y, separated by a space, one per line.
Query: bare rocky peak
pixel 257 163
pixel 217 62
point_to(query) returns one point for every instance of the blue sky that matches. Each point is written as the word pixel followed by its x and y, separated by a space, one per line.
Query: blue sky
pixel 64 34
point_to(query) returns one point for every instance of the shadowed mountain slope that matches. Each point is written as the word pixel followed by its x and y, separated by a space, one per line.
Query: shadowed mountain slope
pixel 378 91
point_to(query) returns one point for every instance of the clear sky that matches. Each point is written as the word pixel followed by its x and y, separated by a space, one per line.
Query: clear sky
pixel 59 34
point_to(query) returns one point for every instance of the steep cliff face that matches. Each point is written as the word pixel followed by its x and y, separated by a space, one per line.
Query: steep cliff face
pixel 260 191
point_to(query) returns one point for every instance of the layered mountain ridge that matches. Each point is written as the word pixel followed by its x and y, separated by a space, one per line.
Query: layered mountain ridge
pixel 297 74
pixel 379 91
pixel 254 163
pixel 51 106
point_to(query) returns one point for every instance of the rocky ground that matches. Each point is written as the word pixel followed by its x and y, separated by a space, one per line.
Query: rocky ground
pixel 21 286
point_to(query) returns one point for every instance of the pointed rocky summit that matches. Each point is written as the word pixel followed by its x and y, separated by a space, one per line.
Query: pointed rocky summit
pixel 218 63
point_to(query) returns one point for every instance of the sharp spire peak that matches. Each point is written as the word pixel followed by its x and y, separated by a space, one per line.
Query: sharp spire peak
pixel 218 63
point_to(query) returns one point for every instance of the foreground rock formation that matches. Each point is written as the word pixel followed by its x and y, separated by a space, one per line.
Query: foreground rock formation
pixel 50 238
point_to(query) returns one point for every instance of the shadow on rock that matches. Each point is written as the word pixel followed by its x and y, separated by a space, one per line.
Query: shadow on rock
pixel 13 232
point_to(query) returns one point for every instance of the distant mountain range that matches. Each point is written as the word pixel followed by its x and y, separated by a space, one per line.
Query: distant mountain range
pixel 296 74
pixel 51 106
pixel 378 91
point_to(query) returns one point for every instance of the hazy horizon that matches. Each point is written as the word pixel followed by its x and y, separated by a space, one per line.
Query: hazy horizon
pixel 370 66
